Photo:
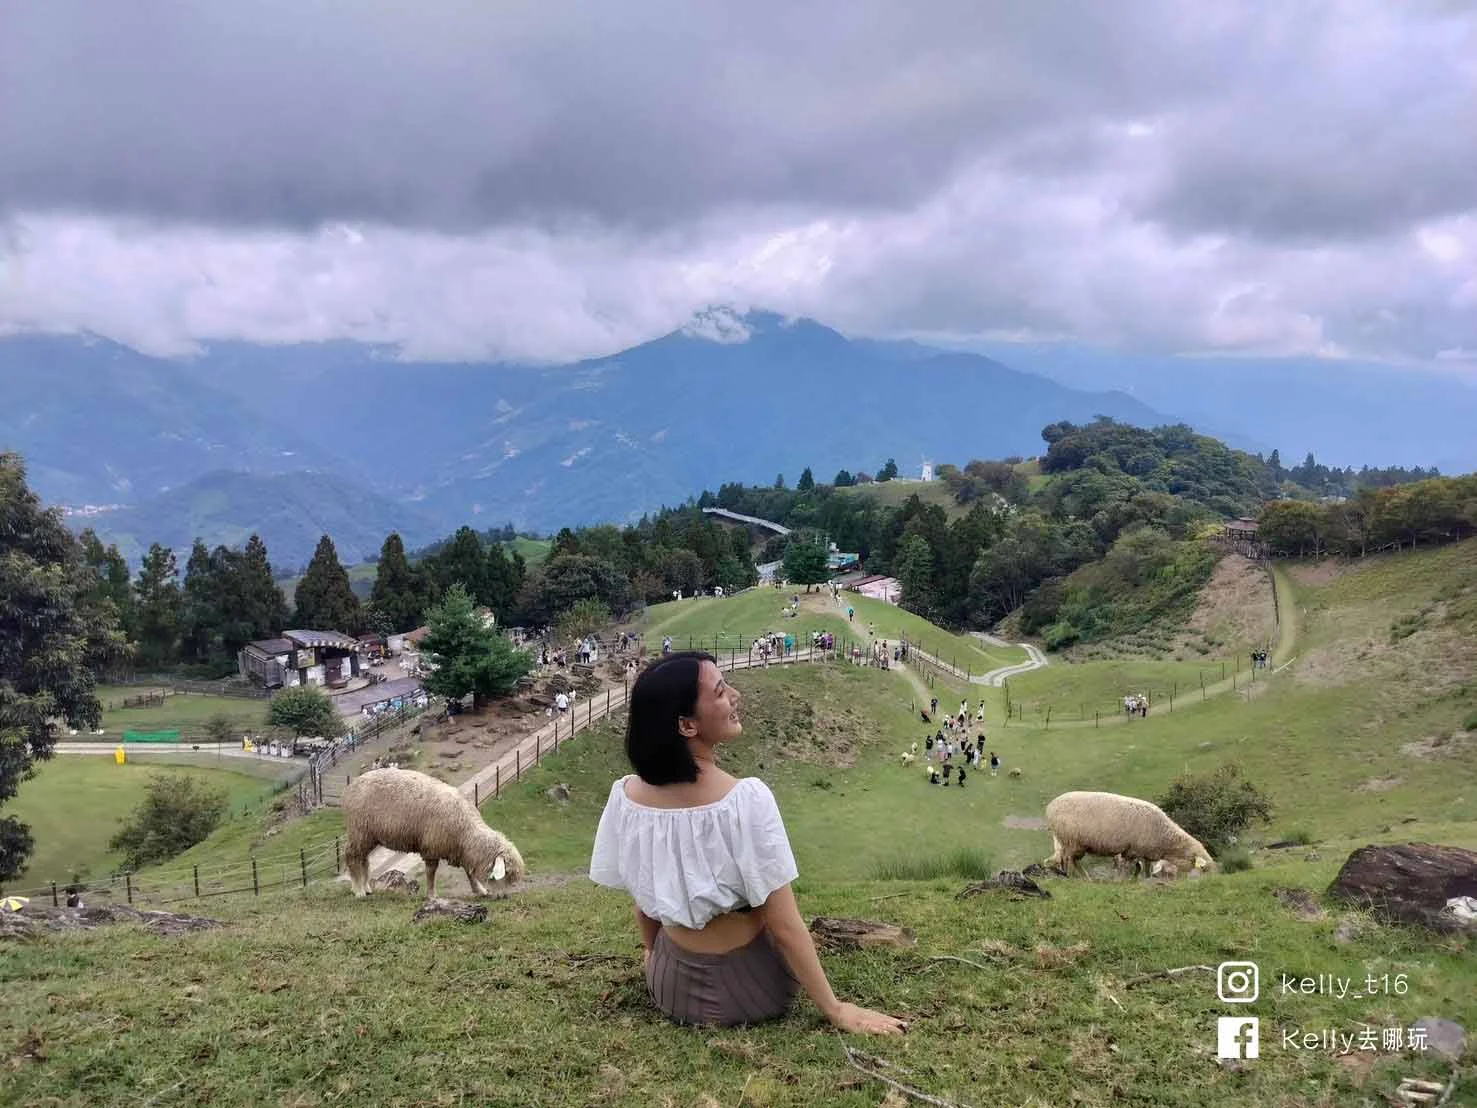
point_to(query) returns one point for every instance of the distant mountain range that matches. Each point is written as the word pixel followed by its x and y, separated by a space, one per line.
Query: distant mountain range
pixel 338 437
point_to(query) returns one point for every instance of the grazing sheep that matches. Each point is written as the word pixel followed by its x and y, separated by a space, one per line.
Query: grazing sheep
pixel 907 757
pixel 412 812
pixel 1015 772
pixel 1108 824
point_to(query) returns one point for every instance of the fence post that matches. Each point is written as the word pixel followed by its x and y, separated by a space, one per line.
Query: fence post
pixel 476 793
pixel 1202 680
pixel 256 888
pixel 197 881
pixel 497 779
pixel 1048 717
pixel 538 743
pixel 589 714
pixel 128 881
pixel 338 862
pixel 518 763
pixel 1097 719
pixel 302 858
pixel 54 902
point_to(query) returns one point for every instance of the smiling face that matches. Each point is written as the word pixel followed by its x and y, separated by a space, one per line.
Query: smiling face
pixel 715 717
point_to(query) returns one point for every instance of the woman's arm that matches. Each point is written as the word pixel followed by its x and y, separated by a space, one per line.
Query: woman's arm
pixel 781 916
pixel 649 927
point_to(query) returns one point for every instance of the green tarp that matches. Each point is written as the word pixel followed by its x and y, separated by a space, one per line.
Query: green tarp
pixel 170 736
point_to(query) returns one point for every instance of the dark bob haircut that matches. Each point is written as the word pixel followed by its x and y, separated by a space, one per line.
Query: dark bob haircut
pixel 666 691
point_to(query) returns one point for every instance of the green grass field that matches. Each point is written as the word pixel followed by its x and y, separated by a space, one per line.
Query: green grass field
pixel 894 494
pixel 737 620
pixel 184 710
pixel 1364 738
pixel 75 802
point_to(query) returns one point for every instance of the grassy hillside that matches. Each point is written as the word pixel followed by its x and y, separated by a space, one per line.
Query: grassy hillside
pixel 1369 736
pixel 189 711
pixel 75 802
pixel 739 619
pixel 893 494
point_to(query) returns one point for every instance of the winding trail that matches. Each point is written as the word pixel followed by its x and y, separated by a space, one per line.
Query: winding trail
pixel 995 677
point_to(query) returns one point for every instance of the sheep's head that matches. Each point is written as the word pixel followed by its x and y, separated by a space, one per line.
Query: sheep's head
pixel 506 864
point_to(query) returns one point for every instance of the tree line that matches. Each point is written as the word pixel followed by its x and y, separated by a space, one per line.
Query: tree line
pixel 1438 509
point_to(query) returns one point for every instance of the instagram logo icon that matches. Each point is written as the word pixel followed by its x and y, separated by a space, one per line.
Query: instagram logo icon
pixel 1237 982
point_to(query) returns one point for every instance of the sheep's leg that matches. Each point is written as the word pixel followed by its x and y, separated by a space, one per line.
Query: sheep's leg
pixel 356 863
pixel 478 885
pixel 431 864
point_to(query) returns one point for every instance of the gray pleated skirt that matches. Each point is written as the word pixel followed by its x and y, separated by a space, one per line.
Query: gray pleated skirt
pixel 748 985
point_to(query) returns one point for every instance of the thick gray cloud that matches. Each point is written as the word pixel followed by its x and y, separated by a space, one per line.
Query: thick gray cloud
pixel 537 180
pixel 290 112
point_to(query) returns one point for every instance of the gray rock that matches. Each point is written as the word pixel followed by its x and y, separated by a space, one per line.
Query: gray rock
pixel 1445 1039
pixel 1409 883
pixel 558 793
pixel 394 881
pixel 1347 931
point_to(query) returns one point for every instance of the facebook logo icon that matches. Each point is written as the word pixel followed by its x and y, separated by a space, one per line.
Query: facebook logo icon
pixel 1237 1037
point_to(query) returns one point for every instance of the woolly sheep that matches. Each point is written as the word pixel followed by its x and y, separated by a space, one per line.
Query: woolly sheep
pixel 907 758
pixel 1015 772
pixel 414 813
pixel 1108 824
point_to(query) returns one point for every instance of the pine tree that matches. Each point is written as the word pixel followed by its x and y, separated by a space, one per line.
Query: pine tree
pixel 115 584
pixel 157 601
pixel 400 592
pixel 197 607
pixel 806 482
pixel 469 655
pixel 914 571
pixel 45 613
pixel 325 600
pixel 266 607
pixel 462 560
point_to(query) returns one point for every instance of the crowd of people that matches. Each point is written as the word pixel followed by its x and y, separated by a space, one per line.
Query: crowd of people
pixel 955 752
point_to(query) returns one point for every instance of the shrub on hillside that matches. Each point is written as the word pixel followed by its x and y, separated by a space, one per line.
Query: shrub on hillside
pixel 1234 859
pixel 220 728
pixel 177 812
pixel 1215 807
pixel 305 711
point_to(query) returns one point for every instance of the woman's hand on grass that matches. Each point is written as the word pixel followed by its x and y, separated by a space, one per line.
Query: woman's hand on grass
pixel 864 1021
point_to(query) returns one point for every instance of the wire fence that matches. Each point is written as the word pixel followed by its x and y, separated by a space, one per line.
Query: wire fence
pixel 1148 694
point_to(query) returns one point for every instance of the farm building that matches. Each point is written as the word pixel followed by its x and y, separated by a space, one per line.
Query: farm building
pixel 327 658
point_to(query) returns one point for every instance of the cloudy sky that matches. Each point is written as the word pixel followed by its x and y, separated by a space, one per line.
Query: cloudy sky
pixel 547 179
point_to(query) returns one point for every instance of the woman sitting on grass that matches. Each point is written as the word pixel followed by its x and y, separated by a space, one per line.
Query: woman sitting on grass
pixel 707 861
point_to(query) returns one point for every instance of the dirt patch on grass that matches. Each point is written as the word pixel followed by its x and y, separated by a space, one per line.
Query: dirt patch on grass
pixel 1235 606
pixel 1427 663
pixel 1317 573
pixel 1380 784
pixel 781 724
pixel 1024 823
pixel 1437 746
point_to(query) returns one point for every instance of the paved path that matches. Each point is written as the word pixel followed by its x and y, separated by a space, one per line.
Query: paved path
pixel 104 746
pixel 995 677
pixel 777 528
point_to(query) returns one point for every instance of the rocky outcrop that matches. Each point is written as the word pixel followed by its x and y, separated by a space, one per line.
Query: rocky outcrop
pixel 1412 883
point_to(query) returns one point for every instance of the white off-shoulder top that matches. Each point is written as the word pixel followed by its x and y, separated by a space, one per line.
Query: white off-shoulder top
pixel 685 866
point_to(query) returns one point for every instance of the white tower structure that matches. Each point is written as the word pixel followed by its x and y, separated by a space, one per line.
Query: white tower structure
pixel 927 470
